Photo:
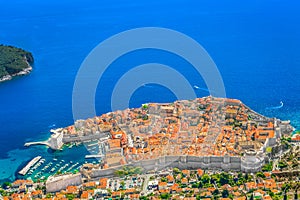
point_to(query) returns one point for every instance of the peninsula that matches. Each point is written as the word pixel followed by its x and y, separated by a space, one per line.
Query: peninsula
pixel 207 133
pixel 14 62
pixel 202 148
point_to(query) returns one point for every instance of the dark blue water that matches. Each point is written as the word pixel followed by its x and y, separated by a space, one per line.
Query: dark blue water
pixel 255 45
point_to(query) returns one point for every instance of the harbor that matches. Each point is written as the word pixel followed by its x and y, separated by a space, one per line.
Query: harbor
pixel 62 161
pixel 59 162
pixel 39 168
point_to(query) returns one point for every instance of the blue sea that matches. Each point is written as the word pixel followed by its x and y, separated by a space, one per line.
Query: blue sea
pixel 255 44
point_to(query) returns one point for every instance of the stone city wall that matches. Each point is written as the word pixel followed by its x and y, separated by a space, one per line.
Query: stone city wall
pixel 58 183
pixel 68 139
pixel 182 162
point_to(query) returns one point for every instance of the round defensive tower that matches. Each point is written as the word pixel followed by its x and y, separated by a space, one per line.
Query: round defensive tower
pixel 251 161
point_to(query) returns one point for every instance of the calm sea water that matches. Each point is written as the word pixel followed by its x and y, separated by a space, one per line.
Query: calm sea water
pixel 255 45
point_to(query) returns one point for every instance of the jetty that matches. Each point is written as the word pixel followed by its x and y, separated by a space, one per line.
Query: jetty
pixel 27 144
pixel 29 165
pixel 54 142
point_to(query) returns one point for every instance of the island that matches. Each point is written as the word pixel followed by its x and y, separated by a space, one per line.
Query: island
pixel 14 62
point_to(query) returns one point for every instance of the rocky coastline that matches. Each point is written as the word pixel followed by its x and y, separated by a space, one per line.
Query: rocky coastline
pixel 14 62
pixel 21 73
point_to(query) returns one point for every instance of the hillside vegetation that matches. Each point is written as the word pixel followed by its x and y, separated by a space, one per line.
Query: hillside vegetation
pixel 13 60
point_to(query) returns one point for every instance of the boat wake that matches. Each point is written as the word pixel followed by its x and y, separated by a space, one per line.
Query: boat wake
pixel 203 89
pixel 148 85
pixel 275 107
pixel 52 126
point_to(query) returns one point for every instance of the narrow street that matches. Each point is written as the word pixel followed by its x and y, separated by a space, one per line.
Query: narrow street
pixel 146 181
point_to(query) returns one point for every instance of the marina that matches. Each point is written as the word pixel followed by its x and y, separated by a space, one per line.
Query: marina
pixel 60 162
pixel 39 169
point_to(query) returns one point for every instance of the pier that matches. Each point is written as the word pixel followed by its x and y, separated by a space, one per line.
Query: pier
pixel 29 165
pixel 54 142
pixel 27 144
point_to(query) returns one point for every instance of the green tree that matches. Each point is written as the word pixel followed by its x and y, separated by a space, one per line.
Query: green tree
pixel 122 183
pixel 145 106
pixel 286 186
pixel 260 174
pixel 13 60
pixel 165 196
pixel 137 170
pixel 267 167
pixel 144 198
pixel 196 185
pixel 164 179
pixel 49 195
pixel 252 197
pixel 215 178
pixel 176 171
pixel 58 172
pixel 122 195
pixel 225 193
pixel 216 192
pixel 282 165
pixel 6 185
pixel 109 191
pixel 205 179
pixel 208 185
pixel 285 196
pixel 70 196
pixel 224 178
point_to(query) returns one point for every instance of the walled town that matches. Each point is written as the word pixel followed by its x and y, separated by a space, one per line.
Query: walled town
pixel 191 149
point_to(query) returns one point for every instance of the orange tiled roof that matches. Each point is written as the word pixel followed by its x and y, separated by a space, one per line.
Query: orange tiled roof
pixel 184 181
pixel 162 184
pixel 22 181
pixel 174 186
pixel 89 184
pixel 211 189
pixel 84 195
pixel 200 172
pixel 296 137
pixel 185 171
pixel 240 198
pixel 114 143
pixel 103 183
pixel 170 178
pixel 250 185
pixel 36 192
pixel 267 197
pixel 72 189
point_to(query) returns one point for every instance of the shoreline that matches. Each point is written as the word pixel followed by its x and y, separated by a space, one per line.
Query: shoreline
pixel 24 72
